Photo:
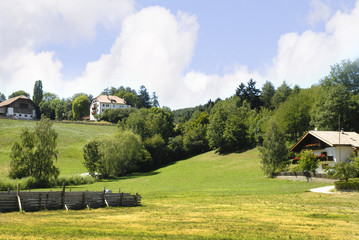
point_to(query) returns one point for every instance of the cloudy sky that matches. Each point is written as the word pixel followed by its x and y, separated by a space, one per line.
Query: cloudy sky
pixel 186 51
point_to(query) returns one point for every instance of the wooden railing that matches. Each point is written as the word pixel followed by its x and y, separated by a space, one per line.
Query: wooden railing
pixel 52 200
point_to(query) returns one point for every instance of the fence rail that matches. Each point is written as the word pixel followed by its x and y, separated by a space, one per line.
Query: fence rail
pixel 52 200
pixel 317 175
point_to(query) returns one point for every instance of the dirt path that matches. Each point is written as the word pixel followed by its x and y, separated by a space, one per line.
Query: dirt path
pixel 323 189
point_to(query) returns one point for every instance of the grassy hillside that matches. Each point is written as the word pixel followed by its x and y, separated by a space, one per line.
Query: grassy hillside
pixel 204 197
pixel 71 139
pixel 209 196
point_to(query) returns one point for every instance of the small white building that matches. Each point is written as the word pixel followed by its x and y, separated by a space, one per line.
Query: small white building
pixel 103 102
pixel 332 146
pixel 20 107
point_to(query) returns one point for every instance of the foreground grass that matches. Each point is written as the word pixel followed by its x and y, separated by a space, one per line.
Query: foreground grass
pixel 205 197
pixel 71 139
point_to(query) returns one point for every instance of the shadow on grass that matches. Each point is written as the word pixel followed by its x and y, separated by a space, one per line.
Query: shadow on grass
pixel 136 175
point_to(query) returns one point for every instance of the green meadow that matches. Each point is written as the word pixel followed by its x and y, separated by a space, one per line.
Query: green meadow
pixel 209 196
pixel 71 139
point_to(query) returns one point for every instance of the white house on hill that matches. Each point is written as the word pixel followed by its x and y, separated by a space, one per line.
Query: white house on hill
pixel 103 102
pixel 332 146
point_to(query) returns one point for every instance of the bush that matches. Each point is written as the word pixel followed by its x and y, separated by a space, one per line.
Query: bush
pixel 351 184
pixel 32 183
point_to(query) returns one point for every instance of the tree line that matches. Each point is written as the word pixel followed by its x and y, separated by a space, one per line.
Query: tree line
pixel 272 118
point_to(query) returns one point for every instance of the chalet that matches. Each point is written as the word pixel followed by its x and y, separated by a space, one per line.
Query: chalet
pixel 103 102
pixel 330 146
pixel 20 107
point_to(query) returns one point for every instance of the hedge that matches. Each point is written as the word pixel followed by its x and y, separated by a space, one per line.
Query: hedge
pixel 352 184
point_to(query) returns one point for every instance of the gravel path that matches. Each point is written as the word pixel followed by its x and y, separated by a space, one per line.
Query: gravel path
pixel 323 189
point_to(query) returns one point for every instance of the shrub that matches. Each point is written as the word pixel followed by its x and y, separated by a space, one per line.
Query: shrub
pixel 351 184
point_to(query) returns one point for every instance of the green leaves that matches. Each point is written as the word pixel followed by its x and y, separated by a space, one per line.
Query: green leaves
pixel 34 153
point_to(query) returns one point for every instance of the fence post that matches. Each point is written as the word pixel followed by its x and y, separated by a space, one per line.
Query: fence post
pixel 103 196
pixel 18 197
pixel 63 196
pixel 136 199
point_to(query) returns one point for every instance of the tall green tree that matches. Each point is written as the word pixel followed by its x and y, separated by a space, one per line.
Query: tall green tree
pixel 143 98
pixel 267 93
pixel 281 94
pixel 34 153
pixel 154 100
pixel 38 93
pixel 19 93
pixel 331 106
pixel 294 115
pixel 195 136
pixel 80 107
pixel 227 131
pixel 2 97
pixel 345 73
pixel 274 153
pixel 249 93
pixel 45 105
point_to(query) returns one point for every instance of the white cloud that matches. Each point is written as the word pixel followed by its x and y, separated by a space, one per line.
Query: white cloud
pixel 23 67
pixel 305 58
pixel 27 25
pixel 319 12
pixel 153 49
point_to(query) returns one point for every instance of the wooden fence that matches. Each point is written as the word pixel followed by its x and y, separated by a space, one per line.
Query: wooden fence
pixel 317 175
pixel 35 201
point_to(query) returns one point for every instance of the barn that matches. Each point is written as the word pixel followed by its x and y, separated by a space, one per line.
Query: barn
pixel 20 107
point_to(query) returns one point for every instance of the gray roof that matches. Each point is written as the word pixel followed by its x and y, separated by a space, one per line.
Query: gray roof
pixel 334 138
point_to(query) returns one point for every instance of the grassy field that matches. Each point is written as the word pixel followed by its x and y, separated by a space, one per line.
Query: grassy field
pixel 204 197
pixel 71 139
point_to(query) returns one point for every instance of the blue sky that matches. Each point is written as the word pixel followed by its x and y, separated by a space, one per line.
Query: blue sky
pixel 186 51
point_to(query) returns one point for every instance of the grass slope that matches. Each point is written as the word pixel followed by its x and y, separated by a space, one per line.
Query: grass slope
pixel 71 140
pixel 204 197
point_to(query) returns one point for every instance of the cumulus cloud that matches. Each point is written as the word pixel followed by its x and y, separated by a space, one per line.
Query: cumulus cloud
pixel 153 48
pixel 23 67
pixel 26 26
pixel 305 58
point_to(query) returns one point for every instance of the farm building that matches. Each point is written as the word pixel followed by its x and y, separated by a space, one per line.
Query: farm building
pixel 20 107
pixel 330 146
pixel 103 102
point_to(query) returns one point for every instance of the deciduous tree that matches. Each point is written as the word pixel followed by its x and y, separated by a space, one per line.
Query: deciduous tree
pixel 81 107
pixel 34 153
pixel 274 153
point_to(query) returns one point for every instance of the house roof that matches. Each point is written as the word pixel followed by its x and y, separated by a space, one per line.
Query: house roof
pixel 110 99
pixel 11 100
pixel 333 138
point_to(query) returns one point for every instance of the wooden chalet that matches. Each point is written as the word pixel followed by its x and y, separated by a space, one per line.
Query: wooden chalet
pixel 330 146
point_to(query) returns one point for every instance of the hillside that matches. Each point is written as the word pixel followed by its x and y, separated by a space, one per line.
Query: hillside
pixel 71 139
pixel 209 196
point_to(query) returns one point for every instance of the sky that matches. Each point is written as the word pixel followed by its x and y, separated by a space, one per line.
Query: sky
pixel 187 51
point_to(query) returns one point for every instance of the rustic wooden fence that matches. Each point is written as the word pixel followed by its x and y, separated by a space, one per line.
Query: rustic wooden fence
pixel 52 200
pixel 317 175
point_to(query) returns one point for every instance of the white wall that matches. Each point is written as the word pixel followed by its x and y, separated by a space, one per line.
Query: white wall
pixel 101 107
pixel 339 154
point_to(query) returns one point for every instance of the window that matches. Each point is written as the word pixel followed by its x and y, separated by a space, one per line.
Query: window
pixel 103 105
pixel 19 115
pixel 25 115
